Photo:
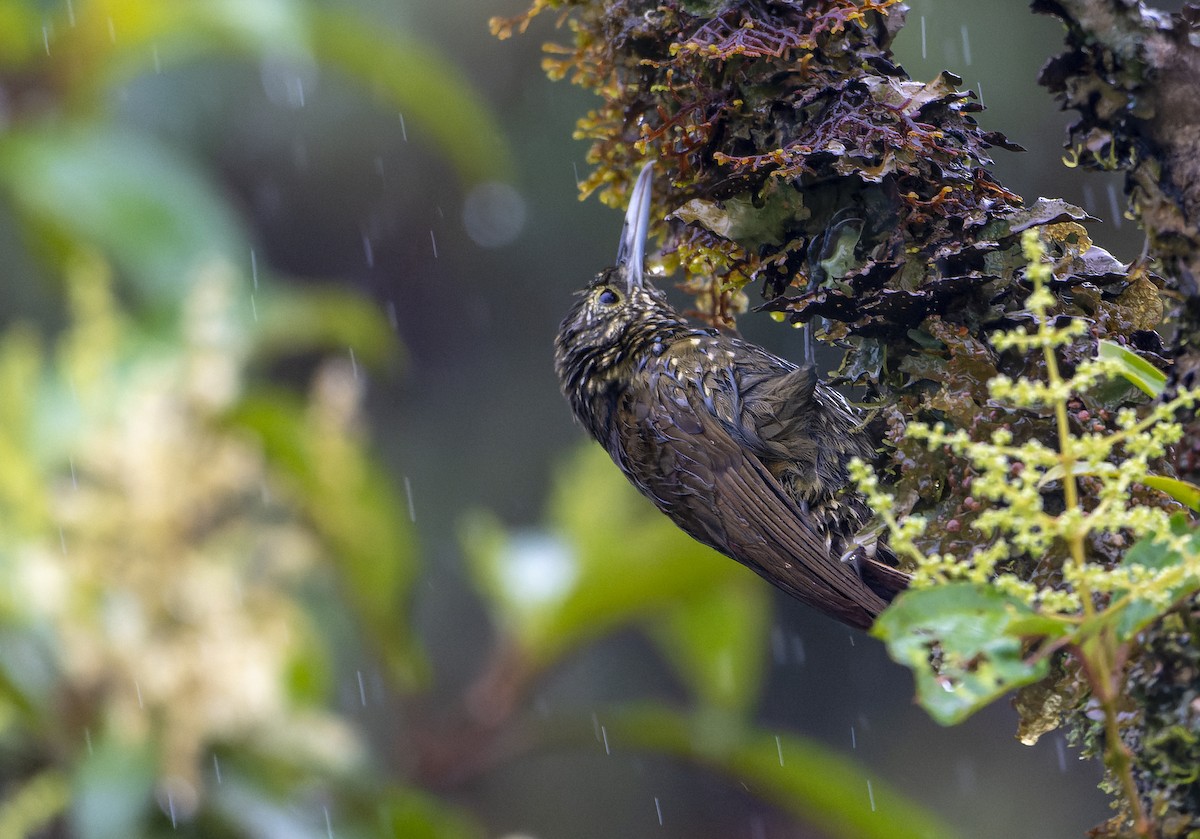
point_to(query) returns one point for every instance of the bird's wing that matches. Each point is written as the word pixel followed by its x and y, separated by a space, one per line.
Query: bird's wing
pixel 680 454
pixel 764 402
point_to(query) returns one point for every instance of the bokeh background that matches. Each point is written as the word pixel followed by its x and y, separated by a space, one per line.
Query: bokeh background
pixel 298 536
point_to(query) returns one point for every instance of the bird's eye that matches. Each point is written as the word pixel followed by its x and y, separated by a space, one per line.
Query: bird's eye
pixel 608 297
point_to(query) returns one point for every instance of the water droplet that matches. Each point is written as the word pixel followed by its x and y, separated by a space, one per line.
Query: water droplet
pixel 1114 207
pixel 871 796
pixel 368 251
pixel 412 510
pixel 966 46
pixel 779 749
pixel 658 809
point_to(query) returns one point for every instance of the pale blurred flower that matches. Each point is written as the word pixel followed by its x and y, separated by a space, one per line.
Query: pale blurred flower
pixel 165 569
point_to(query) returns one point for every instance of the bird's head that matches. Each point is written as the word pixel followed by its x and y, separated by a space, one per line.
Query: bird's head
pixel 619 315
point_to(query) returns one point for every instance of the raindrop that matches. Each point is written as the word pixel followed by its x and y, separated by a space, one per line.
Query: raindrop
pixel 966 46
pixel 286 78
pixel 798 653
pixel 1089 198
pixel 171 808
pixel 46 39
pixel 778 645
pixel 71 13
pixel 412 510
pixel 871 796
pixel 924 53
pixel 362 690
pixel 1060 747
pixel 779 749
pixel 852 640
pixel 1115 208
pixel 254 267
pixel 138 689
pixel 575 169
pixel 328 823
pixel 658 809
pixel 368 251
pixel 253 309
pixel 433 241
pixel 979 93
pixel 353 362
pixel 217 769
pixel 493 214
pixel 403 130
pixel 853 738
pixel 392 316
pixel 604 736
pixel 87 738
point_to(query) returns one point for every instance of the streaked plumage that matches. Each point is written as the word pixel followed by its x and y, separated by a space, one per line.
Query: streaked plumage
pixel 745 451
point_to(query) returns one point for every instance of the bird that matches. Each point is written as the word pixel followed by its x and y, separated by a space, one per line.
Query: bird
pixel 745 451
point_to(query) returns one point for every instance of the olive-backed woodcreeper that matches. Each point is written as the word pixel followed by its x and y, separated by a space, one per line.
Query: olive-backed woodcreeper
pixel 744 451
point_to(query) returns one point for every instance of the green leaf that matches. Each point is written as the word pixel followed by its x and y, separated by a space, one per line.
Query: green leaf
pixel 403 72
pixel 717 640
pixel 799 776
pixel 963 642
pixel 29 805
pixel 1140 373
pixel 1182 491
pixel 434 94
pixel 122 192
pixel 611 559
pixel 1152 553
pixel 409 814
pixel 356 509
pixel 321 319
pixel 113 789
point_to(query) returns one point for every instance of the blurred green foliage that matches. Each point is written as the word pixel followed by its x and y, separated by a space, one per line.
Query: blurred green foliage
pixel 174 523
pixel 610 559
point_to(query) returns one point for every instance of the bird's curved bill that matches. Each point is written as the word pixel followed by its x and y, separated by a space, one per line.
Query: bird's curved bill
pixel 631 254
